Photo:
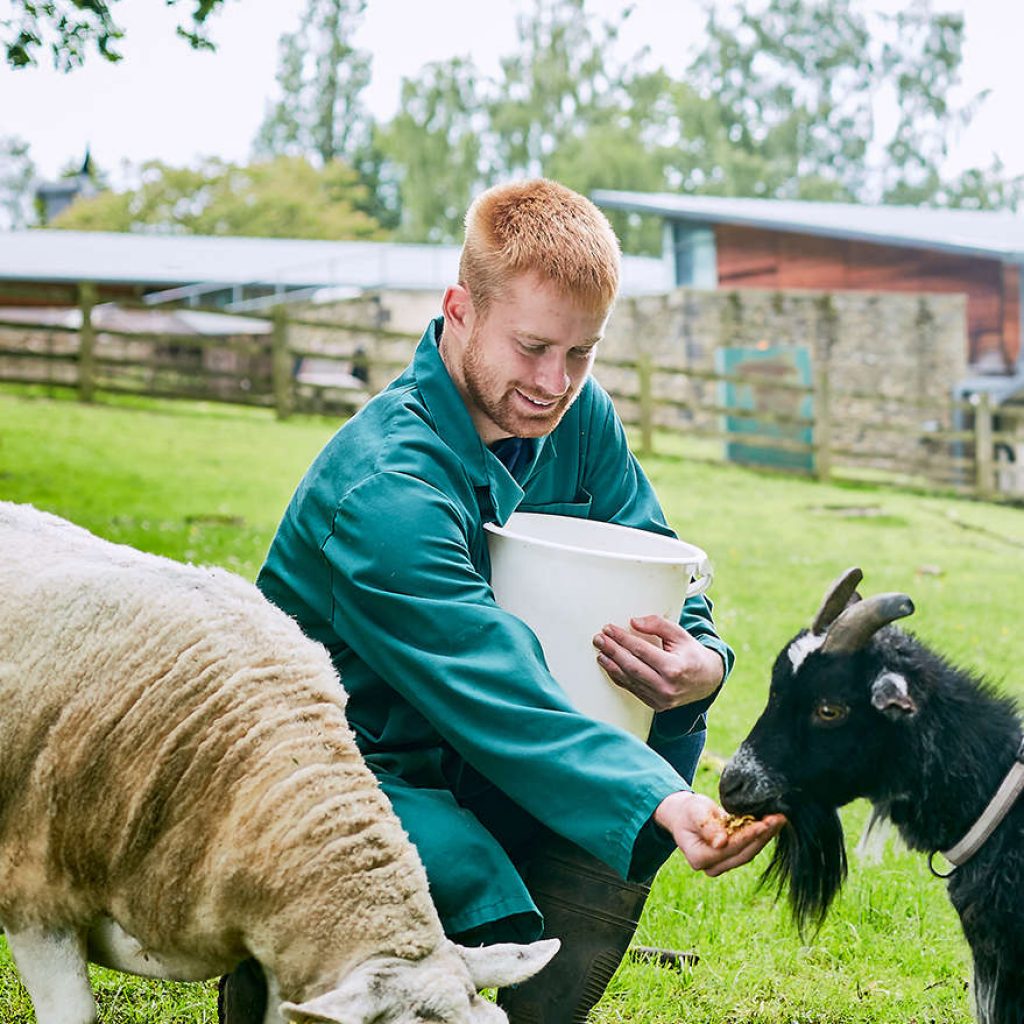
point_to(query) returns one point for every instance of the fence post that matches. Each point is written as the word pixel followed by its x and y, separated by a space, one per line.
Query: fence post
pixel 984 479
pixel 86 343
pixel 822 423
pixel 281 365
pixel 645 395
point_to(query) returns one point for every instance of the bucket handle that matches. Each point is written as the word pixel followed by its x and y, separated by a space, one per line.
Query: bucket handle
pixel 705 574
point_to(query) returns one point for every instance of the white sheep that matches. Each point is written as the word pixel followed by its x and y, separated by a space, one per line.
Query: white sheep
pixel 179 790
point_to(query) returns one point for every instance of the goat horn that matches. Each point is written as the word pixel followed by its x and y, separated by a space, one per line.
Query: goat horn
pixel 836 599
pixel 859 623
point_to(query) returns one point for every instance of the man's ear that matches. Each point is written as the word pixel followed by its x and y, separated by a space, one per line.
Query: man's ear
pixel 458 309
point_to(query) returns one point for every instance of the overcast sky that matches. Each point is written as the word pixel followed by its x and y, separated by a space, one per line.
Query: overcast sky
pixel 165 101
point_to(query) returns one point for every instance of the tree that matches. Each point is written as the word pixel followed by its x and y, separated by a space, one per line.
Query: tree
pixel 794 86
pixel 17 176
pixel 67 27
pixel 282 198
pixel 562 80
pixel 434 144
pixel 319 113
pixel 321 78
pixel 562 106
pixel 780 101
pixel 925 66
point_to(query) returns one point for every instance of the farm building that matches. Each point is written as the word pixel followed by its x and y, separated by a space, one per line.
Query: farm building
pixel 42 273
pixel 892 357
pixel 725 243
pixel 44 267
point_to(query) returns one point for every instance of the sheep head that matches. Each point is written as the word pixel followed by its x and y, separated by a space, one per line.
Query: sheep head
pixel 439 989
pixel 834 712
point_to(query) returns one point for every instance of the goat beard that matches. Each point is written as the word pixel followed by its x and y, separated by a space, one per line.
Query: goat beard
pixel 810 862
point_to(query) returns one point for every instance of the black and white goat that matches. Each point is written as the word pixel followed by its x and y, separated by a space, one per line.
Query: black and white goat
pixel 858 708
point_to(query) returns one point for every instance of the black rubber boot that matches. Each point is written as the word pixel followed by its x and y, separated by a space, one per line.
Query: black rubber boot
pixel 595 914
pixel 242 995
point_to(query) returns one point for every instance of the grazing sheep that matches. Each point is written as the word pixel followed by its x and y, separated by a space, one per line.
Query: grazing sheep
pixel 179 790
pixel 859 708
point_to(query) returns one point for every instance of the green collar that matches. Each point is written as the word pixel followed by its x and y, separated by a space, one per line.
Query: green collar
pixel 455 427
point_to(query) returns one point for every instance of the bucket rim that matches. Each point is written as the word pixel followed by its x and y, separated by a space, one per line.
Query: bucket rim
pixel 698 560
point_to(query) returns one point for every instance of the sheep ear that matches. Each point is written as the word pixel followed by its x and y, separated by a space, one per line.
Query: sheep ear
pixel 891 695
pixel 327 1009
pixel 506 963
pixel 354 1002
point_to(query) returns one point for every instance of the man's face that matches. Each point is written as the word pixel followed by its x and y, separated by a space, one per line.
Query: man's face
pixel 525 361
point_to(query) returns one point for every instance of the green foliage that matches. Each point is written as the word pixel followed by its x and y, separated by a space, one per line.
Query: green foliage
pixel 786 79
pixel 67 28
pixel 17 175
pixel 434 143
pixel 209 483
pixel 922 58
pixel 321 77
pixel 319 112
pixel 562 79
pixel 780 101
pixel 281 198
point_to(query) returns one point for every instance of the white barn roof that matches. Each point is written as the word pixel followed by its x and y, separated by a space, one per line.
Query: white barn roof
pixel 984 233
pixel 168 261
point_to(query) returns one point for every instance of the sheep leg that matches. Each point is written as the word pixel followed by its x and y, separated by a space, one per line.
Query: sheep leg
pixel 273 1014
pixel 53 969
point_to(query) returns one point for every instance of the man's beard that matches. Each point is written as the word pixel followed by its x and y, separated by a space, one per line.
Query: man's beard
pixel 500 404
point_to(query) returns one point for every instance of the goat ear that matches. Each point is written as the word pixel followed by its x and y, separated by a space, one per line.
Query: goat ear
pixel 891 695
pixel 506 963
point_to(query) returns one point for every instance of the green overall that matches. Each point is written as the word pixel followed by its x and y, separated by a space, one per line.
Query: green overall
pixel 381 556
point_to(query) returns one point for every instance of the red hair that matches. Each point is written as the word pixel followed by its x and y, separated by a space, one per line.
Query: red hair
pixel 540 227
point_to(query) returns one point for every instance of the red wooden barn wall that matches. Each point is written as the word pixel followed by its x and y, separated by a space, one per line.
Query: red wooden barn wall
pixel 756 258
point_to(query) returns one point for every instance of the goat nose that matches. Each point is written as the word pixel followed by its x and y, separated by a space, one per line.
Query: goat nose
pixel 746 787
pixel 731 786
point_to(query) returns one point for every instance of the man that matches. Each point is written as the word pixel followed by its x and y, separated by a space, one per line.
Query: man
pixel 519 806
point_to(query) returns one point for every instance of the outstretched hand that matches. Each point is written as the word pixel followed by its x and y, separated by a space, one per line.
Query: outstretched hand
pixel 701 830
pixel 659 662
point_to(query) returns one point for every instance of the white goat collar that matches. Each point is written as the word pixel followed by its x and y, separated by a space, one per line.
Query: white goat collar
pixel 997 809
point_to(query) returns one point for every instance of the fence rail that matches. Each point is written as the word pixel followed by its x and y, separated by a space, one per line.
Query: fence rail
pixel 968 446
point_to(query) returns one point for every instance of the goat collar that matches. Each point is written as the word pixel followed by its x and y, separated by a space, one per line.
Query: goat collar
pixel 997 809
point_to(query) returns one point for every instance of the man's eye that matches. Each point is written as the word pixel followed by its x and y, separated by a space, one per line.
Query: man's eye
pixel 581 353
pixel 830 713
pixel 533 350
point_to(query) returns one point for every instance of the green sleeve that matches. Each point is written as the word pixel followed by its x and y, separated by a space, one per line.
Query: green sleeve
pixel 411 604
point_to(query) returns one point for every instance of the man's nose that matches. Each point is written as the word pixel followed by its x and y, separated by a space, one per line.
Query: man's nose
pixel 552 377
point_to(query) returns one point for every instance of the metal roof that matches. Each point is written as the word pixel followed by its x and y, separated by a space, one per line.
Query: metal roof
pixel 983 233
pixel 166 261
pixel 108 316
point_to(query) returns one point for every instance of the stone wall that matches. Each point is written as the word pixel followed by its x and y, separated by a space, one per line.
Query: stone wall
pixel 890 360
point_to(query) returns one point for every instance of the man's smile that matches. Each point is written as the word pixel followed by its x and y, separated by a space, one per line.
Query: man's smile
pixel 537 403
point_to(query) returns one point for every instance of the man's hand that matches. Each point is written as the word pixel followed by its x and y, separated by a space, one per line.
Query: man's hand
pixel 666 671
pixel 698 826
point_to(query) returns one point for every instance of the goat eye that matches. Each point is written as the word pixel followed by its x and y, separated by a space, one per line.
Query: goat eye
pixel 830 714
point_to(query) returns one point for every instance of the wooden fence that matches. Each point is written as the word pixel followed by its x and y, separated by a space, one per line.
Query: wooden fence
pixel 975 452
pixel 969 447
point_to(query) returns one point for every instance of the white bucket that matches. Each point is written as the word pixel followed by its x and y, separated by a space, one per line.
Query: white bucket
pixel 567 577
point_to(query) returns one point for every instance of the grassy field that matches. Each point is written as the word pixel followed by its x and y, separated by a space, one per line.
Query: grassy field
pixel 208 484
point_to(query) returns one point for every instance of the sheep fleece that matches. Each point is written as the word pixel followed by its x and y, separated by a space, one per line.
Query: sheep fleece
pixel 176 756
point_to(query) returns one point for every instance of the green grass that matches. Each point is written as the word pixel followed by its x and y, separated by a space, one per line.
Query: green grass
pixel 208 484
